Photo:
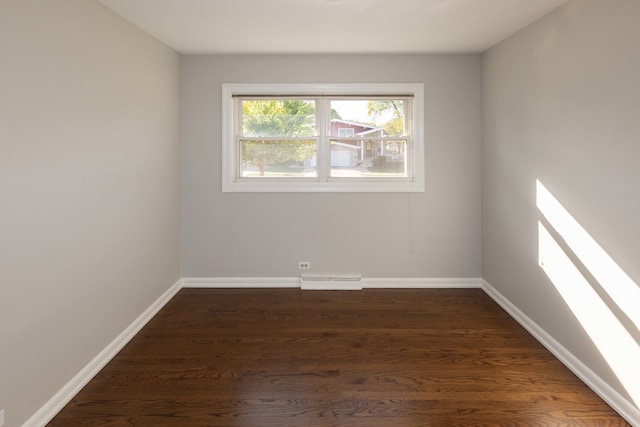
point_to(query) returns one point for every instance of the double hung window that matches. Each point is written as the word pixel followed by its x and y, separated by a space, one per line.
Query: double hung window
pixel 330 137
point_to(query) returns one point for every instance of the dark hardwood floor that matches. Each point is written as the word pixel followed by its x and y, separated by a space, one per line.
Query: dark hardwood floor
pixel 286 357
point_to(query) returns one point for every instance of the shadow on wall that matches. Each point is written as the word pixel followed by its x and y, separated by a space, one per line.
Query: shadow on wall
pixel 604 299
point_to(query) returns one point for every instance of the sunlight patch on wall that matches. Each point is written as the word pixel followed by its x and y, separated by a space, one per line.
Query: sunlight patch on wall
pixel 613 340
pixel 620 287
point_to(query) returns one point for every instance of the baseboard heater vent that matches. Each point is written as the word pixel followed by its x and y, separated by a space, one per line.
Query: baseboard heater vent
pixel 337 283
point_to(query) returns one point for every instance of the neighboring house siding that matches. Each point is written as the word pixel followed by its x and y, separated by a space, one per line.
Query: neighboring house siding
pixel 368 148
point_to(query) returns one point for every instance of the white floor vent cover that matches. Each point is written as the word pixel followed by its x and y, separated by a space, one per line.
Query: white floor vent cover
pixel 337 283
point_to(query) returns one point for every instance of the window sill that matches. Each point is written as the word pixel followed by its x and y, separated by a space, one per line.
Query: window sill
pixel 277 185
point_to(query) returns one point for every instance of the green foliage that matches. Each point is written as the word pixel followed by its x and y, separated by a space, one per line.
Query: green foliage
pixel 379 107
pixel 277 118
pixel 388 168
pixel 264 153
pixel 379 161
pixel 382 107
pixel 394 127
pixel 270 118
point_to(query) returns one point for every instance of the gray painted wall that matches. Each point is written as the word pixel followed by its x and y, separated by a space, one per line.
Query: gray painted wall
pixel 562 105
pixel 431 234
pixel 89 184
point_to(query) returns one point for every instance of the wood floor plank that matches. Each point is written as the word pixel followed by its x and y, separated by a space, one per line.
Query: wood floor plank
pixel 285 357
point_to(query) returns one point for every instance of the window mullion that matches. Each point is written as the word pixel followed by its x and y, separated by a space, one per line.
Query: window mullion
pixel 323 149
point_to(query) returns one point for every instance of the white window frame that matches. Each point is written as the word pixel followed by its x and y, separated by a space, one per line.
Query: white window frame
pixel 230 151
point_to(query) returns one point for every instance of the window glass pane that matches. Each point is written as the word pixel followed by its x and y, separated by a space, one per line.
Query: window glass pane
pixel 346 131
pixel 369 158
pixel 283 158
pixel 273 118
pixel 372 117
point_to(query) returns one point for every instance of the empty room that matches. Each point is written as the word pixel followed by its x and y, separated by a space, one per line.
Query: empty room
pixel 319 212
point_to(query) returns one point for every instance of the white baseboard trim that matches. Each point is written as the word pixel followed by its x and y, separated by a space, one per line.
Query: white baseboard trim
pixel 422 283
pixel 618 402
pixel 241 282
pixel 366 282
pixel 69 390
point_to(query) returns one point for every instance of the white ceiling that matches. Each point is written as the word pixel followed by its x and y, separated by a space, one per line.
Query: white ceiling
pixel 331 26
